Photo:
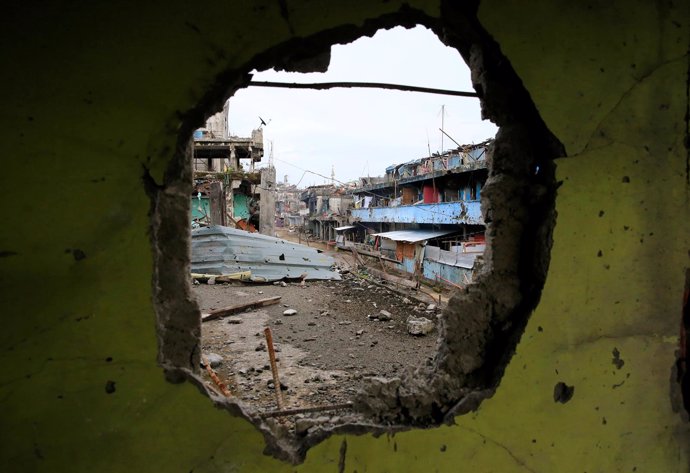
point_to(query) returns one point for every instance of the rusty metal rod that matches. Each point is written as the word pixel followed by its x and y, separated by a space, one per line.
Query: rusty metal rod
pixel 365 85
pixel 221 385
pixel 302 410
pixel 274 367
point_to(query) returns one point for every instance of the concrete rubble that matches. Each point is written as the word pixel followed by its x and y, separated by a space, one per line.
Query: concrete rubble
pixel 419 326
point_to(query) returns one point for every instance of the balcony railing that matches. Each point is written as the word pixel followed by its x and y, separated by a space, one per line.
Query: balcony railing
pixel 451 213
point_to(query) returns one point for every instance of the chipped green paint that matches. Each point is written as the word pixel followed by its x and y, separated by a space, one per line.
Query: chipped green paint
pixel 92 97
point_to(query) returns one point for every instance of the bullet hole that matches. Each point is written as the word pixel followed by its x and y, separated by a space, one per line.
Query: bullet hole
pixel 443 448
pixel 601 213
pixel 603 421
pixel 625 180
pixel 600 253
pixel 78 254
pixel 282 257
pixel 59 396
pixel 607 266
pixel 626 228
pixel 109 387
pixel 109 359
pixel 6 253
pixel 562 392
pixel 540 329
pixel 29 118
pixel 617 361
pixel 534 440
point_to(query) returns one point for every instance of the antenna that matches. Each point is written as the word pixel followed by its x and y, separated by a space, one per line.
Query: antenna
pixel 428 146
pixel 443 117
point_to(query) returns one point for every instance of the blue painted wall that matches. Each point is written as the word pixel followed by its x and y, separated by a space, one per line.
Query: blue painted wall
pixel 441 213
pixel 431 269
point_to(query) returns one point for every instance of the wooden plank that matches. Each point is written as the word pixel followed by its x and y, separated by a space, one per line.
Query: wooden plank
pixel 240 276
pixel 394 279
pixel 225 311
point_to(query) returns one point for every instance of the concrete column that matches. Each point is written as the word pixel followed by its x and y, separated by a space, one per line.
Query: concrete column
pixel 267 201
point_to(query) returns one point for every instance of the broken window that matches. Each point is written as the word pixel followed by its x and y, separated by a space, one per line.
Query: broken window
pixel 341 351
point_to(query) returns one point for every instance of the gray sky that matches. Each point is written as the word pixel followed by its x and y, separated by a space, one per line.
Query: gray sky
pixel 361 131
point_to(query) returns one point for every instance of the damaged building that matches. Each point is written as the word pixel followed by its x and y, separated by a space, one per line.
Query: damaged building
pixel 229 190
pixel 424 218
pixel 290 210
pixel 328 206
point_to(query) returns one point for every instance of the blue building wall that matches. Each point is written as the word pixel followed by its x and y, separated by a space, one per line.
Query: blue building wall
pixel 454 274
pixel 452 213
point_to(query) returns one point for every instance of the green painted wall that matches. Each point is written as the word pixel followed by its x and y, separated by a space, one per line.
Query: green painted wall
pixel 201 208
pixel 91 96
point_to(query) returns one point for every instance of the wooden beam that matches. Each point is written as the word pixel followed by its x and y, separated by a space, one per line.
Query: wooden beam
pixel 233 309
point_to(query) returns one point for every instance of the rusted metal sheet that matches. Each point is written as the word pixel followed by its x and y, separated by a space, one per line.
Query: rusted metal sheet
pixel 224 250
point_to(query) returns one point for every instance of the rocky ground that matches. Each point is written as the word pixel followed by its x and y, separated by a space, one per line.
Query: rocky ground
pixel 337 336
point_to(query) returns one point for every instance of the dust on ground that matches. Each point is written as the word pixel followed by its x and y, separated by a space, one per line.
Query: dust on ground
pixel 324 350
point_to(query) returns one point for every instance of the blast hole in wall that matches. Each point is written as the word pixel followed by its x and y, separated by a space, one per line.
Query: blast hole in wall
pixel 479 327
pixel 342 153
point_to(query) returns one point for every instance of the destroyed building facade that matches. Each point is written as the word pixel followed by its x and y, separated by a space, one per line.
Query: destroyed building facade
pixel 228 189
pixel 424 218
pixel 328 206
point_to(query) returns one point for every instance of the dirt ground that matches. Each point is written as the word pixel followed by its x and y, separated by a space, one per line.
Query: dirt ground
pixel 324 350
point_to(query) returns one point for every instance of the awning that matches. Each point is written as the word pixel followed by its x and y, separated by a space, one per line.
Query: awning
pixel 347 227
pixel 413 236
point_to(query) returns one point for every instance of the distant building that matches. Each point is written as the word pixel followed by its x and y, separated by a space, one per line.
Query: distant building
pixel 327 207
pixel 424 217
pixel 228 190
pixel 290 210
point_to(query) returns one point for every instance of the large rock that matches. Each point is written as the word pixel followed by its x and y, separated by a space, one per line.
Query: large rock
pixel 384 315
pixel 419 325
pixel 290 312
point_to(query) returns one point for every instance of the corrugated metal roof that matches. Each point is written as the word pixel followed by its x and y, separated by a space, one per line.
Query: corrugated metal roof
pixel 346 227
pixel 451 258
pixel 413 236
pixel 224 250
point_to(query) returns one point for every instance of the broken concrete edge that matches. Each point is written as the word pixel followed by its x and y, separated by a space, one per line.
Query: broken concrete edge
pixel 483 323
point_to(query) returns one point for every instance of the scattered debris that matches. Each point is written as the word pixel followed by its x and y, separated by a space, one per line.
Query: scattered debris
pixel 419 326
pixel 218 313
pixel 289 312
pixel 384 315
pixel 214 278
pixel 214 360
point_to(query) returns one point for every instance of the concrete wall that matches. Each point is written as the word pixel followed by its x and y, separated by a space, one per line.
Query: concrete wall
pixel 92 99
